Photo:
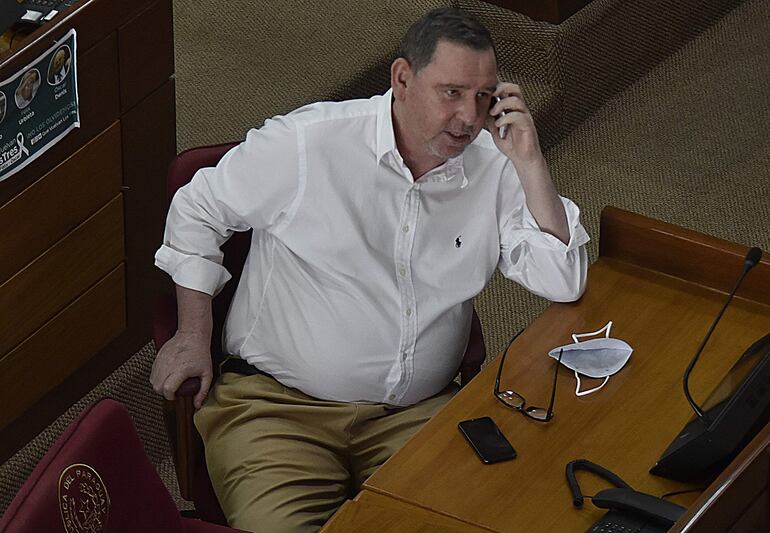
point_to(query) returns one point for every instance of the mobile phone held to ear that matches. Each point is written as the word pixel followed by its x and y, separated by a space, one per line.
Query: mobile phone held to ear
pixel 502 129
pixel 487 440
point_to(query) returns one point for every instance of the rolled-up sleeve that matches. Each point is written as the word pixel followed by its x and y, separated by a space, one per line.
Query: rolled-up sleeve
pixel 538 260
pixel 253 186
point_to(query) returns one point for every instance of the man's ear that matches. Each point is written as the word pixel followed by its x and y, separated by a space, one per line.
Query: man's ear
pixel 400 76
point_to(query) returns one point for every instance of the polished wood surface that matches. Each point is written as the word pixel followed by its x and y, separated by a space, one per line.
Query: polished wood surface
pixel 122 149
pixel 375 513
pixel 58 276
pixel 739 499
pixel 93 20
pixel 185 441
pixel 142 69
pixel 624 427
pixel 682 253
pixel 84 182
pixel 37 365
pixel 149 144
pixel 99 97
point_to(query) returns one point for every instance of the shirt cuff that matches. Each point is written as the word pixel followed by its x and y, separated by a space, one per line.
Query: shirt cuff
pixel 533 235
pixel 192 271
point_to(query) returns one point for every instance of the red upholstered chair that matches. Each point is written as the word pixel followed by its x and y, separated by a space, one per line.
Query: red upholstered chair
pixel 191 470
pixel 97 478
pixel 192 473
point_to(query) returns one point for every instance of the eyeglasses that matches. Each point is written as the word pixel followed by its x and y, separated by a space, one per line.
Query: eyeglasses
pixel 516 401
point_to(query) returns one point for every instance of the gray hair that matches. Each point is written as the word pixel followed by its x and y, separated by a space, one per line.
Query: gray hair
pixel 445 23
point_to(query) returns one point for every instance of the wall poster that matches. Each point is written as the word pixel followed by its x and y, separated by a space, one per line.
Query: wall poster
pixel 38 106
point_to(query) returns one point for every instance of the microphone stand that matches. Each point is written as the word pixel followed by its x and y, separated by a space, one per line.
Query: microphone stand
pixel 752 258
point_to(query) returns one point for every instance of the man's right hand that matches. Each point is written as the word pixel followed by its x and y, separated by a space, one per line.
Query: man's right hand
pixel 185 355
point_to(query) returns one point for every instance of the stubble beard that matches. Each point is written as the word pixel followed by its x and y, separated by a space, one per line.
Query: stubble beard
pixel 435 147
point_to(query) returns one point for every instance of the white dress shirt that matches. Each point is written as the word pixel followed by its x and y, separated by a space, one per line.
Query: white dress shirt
pixel 359 283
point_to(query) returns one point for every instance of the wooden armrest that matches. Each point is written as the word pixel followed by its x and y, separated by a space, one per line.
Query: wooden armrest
pixel 189 387
pixel 475 352
pixel 185 441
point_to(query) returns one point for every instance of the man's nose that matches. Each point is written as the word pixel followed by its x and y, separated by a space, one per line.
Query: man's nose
pixel 468 111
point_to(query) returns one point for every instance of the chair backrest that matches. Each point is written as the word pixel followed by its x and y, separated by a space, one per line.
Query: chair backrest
pixel 235 250
pixel 192 474
pixel 194 482
pixel 96 477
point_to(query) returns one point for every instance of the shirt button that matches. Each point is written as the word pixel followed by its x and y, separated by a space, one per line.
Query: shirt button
pixel 392 397
pixel 405 228
pixel 402 271
pixel 404 356
pixel 408 312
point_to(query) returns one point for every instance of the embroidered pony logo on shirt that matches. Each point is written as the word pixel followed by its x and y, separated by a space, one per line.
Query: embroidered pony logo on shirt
pixel 458 242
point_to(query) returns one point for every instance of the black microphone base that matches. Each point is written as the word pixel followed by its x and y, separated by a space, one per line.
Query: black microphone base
pixel 702 450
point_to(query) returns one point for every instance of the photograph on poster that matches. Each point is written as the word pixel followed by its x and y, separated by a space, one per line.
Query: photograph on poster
pixel 27 89
pixel 43 112
pixel 60 65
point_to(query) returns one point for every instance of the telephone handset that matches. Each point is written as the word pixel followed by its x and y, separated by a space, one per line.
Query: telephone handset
pixel 632 509
pixel 502 129
pixel 629 511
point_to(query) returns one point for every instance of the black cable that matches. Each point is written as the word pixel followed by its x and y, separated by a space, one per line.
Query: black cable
pixel 585 464
pixel 678 492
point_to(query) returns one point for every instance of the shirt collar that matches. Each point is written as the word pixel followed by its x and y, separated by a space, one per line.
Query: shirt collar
pixel 386 138
pixel 386 142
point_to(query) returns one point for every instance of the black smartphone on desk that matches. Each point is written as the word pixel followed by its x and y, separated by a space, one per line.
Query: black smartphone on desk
pixel 487 440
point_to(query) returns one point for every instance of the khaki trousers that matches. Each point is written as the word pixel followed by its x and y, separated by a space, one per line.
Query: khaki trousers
pixel 282 461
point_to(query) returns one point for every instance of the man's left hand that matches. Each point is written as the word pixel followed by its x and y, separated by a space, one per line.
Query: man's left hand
pixel 520 143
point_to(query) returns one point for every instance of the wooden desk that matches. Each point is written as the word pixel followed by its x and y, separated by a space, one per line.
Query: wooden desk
pixel 82 221
pixel 375 513
pixel 623 427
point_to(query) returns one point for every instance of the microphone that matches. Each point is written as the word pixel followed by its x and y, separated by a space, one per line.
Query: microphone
pixel 751 260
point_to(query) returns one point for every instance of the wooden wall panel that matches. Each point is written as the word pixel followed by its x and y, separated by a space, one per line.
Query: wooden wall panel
pixel 681 253
pixel 60 275
pixel 61 200
pixel 145 64
pixel 117 41
pixel 62 345
pixel 738 496
pixel 148 148
pixel 756 517
pixel 98 89
pixel 93 20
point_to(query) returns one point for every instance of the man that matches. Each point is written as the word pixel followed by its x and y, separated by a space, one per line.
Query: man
pixel 28 86
pixel 59 66
pixel 375 224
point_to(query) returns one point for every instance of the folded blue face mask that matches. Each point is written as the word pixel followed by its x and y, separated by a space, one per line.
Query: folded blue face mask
pixel 596 358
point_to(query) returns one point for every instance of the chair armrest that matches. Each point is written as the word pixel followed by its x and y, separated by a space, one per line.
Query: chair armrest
pixel 185 441
pixel 475 352
pixel 188 388
pixel 164 324
pixel 178 412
